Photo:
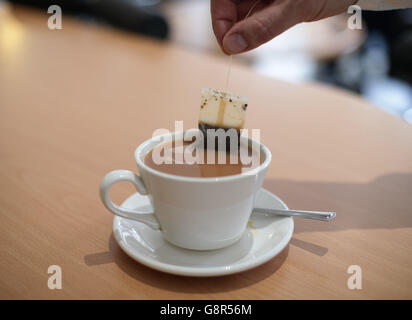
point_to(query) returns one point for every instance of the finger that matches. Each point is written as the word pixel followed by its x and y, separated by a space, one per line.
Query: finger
pixel 262 26
pixel 224 16
pixel 244 7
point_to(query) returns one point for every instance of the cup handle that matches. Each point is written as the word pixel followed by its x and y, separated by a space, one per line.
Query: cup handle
pixel 125 175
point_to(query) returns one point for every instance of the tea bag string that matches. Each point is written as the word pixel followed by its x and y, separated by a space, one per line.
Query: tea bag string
pixel 231 56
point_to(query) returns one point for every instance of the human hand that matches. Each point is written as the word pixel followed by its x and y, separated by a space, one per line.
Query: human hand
pixel 269 18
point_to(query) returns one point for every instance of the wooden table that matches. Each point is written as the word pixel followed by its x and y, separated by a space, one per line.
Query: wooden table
pixel 74 104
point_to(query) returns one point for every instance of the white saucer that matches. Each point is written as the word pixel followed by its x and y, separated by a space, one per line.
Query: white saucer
pixel 265 237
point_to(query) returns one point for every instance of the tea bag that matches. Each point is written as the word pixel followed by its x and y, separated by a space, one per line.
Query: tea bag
pixel 222 110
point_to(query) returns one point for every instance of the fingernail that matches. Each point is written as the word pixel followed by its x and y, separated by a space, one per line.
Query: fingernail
pixel 235 43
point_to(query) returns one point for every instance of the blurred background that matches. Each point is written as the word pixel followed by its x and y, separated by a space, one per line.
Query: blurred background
pixel 375 61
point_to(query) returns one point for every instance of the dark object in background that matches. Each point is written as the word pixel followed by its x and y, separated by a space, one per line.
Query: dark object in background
pixel 381 71
pixel 125 14
pixel 388 46
pixel 396 27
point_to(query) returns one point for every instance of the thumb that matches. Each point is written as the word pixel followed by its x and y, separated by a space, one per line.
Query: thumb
pixel 261 27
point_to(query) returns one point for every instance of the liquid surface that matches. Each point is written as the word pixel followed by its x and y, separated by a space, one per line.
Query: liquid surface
pixel 178 163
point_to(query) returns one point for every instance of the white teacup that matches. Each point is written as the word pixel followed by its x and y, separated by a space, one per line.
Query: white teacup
pixel 193 213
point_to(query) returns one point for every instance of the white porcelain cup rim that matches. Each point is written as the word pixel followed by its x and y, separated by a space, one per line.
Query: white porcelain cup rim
pixel 141 152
